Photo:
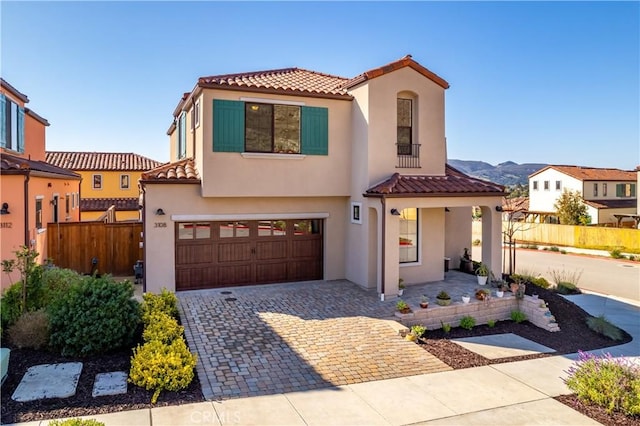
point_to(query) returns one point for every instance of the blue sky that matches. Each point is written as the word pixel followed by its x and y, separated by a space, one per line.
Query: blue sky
pixel 530 81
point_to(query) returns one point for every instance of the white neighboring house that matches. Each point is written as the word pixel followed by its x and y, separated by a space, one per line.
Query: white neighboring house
pixel 610 194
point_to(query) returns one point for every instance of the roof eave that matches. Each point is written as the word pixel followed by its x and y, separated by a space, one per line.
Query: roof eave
pixel 435 194
pixel 345 96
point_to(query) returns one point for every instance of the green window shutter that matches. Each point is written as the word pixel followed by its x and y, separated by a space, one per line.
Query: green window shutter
pixel 228 126
pixel 633 189
pixel 619 190
pixel 21 130
pixel 3 121
pixel 314 131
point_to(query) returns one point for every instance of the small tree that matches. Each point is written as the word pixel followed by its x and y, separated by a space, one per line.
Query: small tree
pixel 571 209
pixel 26 264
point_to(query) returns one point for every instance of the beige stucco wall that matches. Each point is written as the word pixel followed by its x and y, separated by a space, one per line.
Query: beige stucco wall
pixel 186 200
pixel 276 175
pixel 458 230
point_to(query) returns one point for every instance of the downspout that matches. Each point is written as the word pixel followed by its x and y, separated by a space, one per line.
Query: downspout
pixel 383 249
pixel 144 238
pixel 26 209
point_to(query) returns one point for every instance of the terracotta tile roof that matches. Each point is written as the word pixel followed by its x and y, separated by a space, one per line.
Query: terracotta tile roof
pixel 515 204
pixel 124 161
pixel 102 204
pixel 179 171
pixel 407 61
pixel 592 173
pixel 10 164
pixel 612 204
pixel 286 80
pixel 453 182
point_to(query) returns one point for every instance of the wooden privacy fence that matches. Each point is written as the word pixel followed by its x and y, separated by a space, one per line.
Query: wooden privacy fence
pixel 77 245
pixel 576 236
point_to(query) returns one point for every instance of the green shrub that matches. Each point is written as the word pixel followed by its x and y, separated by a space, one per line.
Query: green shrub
pixel 446 327
pixel 95 316
pixel 602 326
pixel 31 330
pixel 56 282
pixel 491 323
pixel 157 366
pixel 166 302
pixel 518 316
pixel 612 383
pixel 11 305
pixel 616 253
pixel 564 287
pixel 540 282
pixel 162 327
pixel 467 322
pixel 76 422
pixel 554 248
pixel 418 330
pixel 401 306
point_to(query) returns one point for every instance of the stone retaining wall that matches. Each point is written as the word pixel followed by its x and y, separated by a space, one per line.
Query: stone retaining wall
pixel 493 309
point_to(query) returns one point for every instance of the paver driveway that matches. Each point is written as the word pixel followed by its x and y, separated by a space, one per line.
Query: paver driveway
pixel 295 337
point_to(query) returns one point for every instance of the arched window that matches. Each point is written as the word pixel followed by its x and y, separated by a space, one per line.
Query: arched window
pixel 405 126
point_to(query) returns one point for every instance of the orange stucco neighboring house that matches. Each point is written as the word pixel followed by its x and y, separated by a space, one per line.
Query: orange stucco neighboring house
pixel 292 175
pixel 108 179
pixel 33 193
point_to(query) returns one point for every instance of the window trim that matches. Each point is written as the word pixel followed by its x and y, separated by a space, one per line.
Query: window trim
pixel 418 260
pixel 93 181
pixel 128 180
pixel 558 185
pixel 595 189
pixel 546 185
pixel 195 115
pixel 604 189
pixel 272 150
pixel 356 213
pixel 535 185
pixel 38 218
pixel 410 127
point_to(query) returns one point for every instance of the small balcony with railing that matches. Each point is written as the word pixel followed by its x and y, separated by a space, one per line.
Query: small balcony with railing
pixel 408 156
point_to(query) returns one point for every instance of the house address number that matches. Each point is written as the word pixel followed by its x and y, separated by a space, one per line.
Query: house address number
pixel 160 224
pixel 6 224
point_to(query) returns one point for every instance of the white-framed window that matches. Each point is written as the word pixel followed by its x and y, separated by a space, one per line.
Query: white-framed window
pixel 124 181
pixel 97 181
pixel 558 185
pixel 535 185
pixel 67 203
pixel 595 189
pixel 356 213
pixel 408 235
pixel 182 135
pixel 546 185
pixel 195 115
pixel 39 199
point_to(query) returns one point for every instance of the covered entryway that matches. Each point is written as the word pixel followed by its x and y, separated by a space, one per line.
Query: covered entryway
pixel 232 253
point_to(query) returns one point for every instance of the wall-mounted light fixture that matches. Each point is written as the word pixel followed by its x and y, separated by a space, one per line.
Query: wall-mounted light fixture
pixel 498 208
pixel 5 208
pixel 160 212
pixel 395 212
pixel 446 209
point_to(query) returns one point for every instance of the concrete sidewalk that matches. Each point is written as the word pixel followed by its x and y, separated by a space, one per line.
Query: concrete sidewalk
pixel 517 393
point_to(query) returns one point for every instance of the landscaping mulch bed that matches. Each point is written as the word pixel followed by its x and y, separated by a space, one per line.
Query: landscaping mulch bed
pixel 574 336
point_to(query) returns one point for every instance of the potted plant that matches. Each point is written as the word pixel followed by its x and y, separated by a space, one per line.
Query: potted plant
pixel 443 298
pixel 500 292
pixel 401 287
pixel 482 294
pixel 416 333
pixel 403 307
pixel 466 298
pixel 483 273
pixel 465 262
pixel 424 302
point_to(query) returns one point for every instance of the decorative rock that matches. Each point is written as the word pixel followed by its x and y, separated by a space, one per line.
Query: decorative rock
pixel 114 383
pixel 48 381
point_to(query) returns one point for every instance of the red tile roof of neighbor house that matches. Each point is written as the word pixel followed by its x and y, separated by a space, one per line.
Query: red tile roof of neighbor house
pixel 515 204
pixel 102 204
pixel 10 164
pixel 105 161
pixel 453 182
pixel 591 173
pixel 183 171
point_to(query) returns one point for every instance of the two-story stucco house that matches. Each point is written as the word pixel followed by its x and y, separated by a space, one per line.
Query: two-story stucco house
pixel 290 175
pixel 108 179
pixel 33 192
pixel 606 192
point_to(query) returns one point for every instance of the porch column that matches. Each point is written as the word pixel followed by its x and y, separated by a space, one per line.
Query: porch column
pixel 492 239
pixel 392 251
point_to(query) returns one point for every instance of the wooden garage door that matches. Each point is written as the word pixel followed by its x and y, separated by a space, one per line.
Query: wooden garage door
pixel 231 253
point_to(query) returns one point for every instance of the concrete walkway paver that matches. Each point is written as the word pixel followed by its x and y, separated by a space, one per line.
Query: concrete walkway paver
pixel 501 346
pixel 37 382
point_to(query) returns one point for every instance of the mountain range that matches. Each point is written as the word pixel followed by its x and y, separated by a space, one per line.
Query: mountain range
pixel 507 173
